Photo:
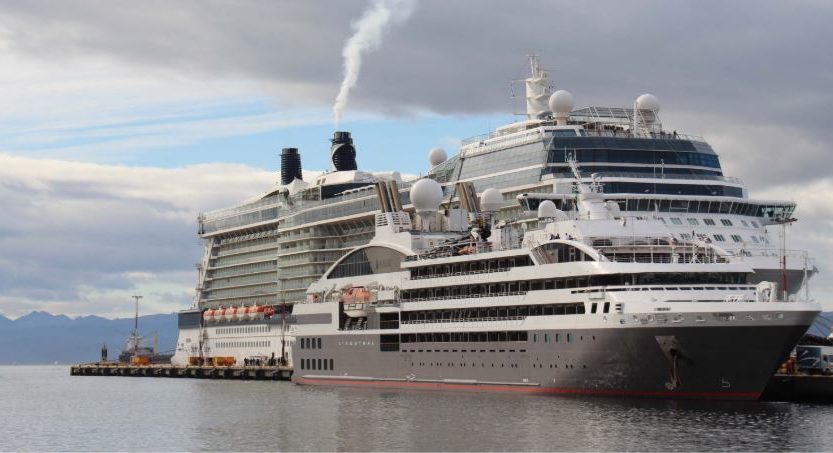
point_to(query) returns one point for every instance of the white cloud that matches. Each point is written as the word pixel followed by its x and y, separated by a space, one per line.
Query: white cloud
pixel 80 238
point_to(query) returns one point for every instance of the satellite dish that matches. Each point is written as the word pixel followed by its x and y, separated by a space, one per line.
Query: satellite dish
pixel 561 104
pixel 648 102
pixel 547 210
pixel 437 156
pixel 426 196
pixel 491 200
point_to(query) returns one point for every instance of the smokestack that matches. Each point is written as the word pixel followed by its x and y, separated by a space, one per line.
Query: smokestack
pixel 343 154
pixel 290 165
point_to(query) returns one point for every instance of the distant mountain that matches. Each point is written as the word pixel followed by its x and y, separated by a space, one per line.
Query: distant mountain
pixel 43 338
pixel 41 319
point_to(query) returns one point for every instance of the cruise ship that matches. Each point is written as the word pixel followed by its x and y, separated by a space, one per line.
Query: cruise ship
pixel 261 257
pixel 587 301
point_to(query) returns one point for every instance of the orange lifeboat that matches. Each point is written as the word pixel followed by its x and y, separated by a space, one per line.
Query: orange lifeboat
pixel 251 312
pixel 240 313
pixel 208 315
pixel 228 314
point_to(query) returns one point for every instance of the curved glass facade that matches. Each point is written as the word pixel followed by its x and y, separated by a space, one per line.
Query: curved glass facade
pixel 367 261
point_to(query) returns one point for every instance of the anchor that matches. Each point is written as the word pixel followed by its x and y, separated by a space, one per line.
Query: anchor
pixel 674 352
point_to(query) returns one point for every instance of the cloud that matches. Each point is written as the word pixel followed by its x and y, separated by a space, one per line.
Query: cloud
pixel 93 81
pixel 79 238
pixel 746 70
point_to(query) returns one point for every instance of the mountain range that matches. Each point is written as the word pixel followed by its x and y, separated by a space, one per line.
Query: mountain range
pixel 44 338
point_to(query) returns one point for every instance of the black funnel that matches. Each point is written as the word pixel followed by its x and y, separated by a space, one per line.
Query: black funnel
pixel 343 154
pixel 290 165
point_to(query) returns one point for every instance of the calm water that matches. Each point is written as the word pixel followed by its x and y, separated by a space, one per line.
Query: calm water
pixel 43 408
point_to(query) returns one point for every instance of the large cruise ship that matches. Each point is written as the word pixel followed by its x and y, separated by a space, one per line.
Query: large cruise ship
pixel 585 301
pixel 261 257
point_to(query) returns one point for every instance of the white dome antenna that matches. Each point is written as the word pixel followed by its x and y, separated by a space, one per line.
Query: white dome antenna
pixel 561 104
pixel 547 210
pixel 491 200
pixel 437 156
pixel 426 196
pixel 648 107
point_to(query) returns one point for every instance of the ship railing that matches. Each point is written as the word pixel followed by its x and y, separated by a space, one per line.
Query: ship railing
pixel 464 296
pixel 459 274
pixel 225 212
pixel 771 252
pixel 458 320
pixel 445 252
pixel 654 135
pixel 665 135
pixel 656 250
pixel 657 175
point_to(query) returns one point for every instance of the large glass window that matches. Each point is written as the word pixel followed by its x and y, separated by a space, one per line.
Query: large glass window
pixel 369 260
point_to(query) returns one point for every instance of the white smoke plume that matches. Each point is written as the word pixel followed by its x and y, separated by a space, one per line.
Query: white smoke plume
pixel 367 37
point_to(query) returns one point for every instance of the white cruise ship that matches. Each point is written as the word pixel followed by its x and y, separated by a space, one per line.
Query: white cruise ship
pixel 262 256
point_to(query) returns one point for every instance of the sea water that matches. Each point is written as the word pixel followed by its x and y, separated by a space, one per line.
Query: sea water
pixel 44 408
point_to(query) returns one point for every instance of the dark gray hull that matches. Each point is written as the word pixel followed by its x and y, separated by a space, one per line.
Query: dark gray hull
pixel 682 362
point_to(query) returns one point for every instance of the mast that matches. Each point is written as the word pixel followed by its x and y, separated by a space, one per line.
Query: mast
pixel 136 326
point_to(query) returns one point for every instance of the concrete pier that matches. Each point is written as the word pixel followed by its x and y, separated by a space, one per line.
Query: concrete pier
pixel 258 373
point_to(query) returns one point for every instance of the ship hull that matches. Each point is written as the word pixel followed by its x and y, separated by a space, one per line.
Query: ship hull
pixel 667 362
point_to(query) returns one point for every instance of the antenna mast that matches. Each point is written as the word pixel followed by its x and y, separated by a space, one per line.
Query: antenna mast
pixel 136 326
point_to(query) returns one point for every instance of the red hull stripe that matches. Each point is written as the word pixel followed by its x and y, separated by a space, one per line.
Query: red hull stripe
pixel 522 389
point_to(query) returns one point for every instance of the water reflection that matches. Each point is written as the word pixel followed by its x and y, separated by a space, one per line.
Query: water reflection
pixel 45 409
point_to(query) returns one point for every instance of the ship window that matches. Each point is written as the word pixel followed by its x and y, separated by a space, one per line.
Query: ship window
pixel 719 238
pixel 726 222
pixel 737 238
pixel 754 224
pixel 593 308
pixel 693 222
pixel 676 221
pixel 367 261
pixel 331 364
pixel 709 222
pixel 606 307
pixel 744 223
pixel 661 220
pixel 319 343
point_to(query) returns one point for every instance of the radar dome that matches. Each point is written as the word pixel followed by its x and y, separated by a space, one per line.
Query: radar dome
pixel 437 156
pixel 546 210
pixel 426 195
pixel 491 200
pixel 648 102
pixel 561 103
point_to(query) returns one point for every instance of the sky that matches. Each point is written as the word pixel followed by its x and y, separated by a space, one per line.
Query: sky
pixel 122 121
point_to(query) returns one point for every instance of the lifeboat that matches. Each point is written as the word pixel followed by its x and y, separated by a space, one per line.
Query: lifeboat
pixel 251 312
pixel 240 314
pixel 208 316
pixel 354 300
pixel 268 312
pixel 228 314
pixel 217 316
